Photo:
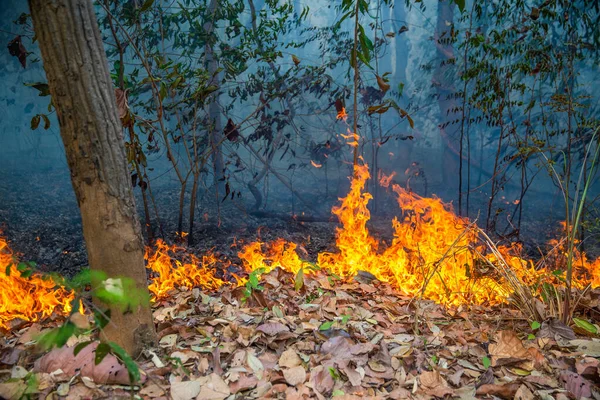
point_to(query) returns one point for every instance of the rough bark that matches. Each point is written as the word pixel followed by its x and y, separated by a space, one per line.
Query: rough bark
pixel 83 94
pixel 216 131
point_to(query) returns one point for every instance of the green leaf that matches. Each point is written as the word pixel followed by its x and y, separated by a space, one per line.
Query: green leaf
pixel 42 87
pixel 400 88
pixel 486 362
pixel 35 122
pixel 583 324
pixel 299 281
pixel 81 346
pixel 147 4
pixel 132 367
pixel 335 375
pixel 163 91
pixel 101 318
pixel 326 325
pixel 460 4
pixel 278 312
pixel 58 336
pixel 101 351
pixel 535 325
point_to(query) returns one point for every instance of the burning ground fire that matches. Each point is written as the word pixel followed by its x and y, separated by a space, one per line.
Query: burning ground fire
pixel 434 254
pixel 27 298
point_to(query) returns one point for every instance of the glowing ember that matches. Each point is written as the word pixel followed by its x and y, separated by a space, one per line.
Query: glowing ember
pixel 28 299
pixel 171 273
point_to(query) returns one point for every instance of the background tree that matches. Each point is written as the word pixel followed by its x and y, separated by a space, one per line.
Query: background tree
pixel 84 98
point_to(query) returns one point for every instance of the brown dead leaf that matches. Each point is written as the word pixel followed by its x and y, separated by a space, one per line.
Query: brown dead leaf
pixel 16 49
pixel 122 105
pixel 507 349
pixel 506 391
pixel 187 390
pixel 289 359
pixel 321 380
pixel 213 387
pixel 576 384
pixel 399 394
pixel 272 328
pixel 109 371
pixel 152 390
pixel 295 376
pixel 588 367
pixel 244 382
pixel 555 329
pixel 524 393
pixel 432 383
pixel 12 390
pixel 383 85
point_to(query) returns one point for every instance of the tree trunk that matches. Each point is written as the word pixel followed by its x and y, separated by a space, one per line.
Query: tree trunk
pixel 214 113
pixel 83 94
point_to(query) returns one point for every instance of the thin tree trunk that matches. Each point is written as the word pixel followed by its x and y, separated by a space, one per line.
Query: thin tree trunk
pixel 83 94
pixel 215 130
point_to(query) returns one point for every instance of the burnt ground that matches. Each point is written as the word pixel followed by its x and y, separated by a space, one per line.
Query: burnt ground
pixel 40 218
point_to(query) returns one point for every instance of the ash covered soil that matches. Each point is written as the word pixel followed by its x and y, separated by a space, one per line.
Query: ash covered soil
pixel 40 218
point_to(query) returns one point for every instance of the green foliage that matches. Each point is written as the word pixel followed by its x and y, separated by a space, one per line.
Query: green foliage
pixel 326 325
pixel 486 362
pixel 253 283
pixel 299 280
pixel 585 325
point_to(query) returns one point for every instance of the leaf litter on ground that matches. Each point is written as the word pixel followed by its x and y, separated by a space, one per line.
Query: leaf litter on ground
pixel 340 340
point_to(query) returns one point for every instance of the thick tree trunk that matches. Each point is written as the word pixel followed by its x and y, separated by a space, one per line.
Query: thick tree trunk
pixel 79 82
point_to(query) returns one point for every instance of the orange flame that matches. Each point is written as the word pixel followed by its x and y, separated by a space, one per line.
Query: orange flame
pixel 433 254
pixel 279 253
pixel 385 180
pixel 171 273
pixel 28 299
pixel 343 115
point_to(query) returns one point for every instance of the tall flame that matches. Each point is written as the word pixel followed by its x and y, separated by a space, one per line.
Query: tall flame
pixel 28 299
pixel 433 253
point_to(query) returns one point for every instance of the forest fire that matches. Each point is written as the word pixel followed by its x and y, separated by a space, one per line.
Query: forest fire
pixel 27 298
pixel 171 273
pixel 434 254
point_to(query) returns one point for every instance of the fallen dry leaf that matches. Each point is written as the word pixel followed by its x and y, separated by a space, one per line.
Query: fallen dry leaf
pixel 152 390
pixel 272 328
pixel 507 349
pixel 576 384
pixel 289 359
pixel 212 387
pixel 432 383
pixel 294 376
pixel 187 390
pixel 506 391
pixel 109 371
